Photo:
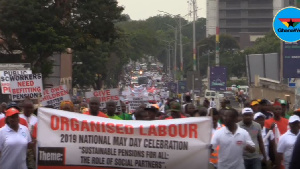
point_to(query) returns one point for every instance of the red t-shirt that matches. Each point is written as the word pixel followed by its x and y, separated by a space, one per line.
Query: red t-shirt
pixel 100 114
pixel 22 121
pixel 282 124
pixel 181 116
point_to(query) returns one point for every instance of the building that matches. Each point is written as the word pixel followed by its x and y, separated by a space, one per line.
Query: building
pixel 245 20
pixel 62 71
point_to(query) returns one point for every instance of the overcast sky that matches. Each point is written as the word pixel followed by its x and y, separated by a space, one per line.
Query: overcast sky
pixel 143 9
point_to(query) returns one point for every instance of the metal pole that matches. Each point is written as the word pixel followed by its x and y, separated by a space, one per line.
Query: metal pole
pixel 181 52
pixel 169 54
pixel 217 35
pixel 208 71
pixel 175 54
pixel 194 48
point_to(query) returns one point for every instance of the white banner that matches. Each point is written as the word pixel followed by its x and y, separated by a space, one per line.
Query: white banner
pixel 104 96
pixel 55 96
pixel 135 102
pixel 23 86
pixel 84 141
pixel 5 78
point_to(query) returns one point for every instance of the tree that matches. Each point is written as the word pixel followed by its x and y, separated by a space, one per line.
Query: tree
pixel 31 26
pixel 270 43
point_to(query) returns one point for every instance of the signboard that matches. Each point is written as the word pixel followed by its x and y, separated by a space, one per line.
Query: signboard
pixel 291 60
pixel 218 78
pixel 182 87
pixel 172 87
pixel 292 82
pixel 5 78
pixel 26 86
pixel 164 94
pixel 55 96
pixel 135 102
pixel 105 96
pixel 82 141
pixel 15 66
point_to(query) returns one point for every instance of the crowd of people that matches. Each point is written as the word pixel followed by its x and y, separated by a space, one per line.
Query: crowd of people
pixel 263 135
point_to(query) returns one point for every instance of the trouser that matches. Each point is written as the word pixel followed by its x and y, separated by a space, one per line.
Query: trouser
pixel 254 163
pixel 267 166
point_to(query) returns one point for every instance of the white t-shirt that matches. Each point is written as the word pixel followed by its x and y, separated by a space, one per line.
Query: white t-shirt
pixel 286 146
pixel 13 147
pixel 266 140
pixel 32 120
pixel 231 147
pixel 2 115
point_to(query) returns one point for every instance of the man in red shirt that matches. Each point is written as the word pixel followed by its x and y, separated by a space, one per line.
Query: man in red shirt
pixel 95 108
pixel 175 111
pixel 281 122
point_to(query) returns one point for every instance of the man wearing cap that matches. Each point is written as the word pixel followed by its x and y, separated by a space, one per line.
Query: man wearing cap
pixel 255 106
pixel 233 141
pixel 265 106
pixel 281 122
pixel 152 111
pixel 175 111
pixel 268 138
pixel 287 141
pixel 14 141
pixel 252 160
pixel 284 109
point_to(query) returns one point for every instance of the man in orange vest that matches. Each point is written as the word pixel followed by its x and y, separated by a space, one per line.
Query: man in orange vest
pixel 216 126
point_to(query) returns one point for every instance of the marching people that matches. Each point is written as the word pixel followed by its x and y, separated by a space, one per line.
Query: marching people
pixel 123 115
pixel 95 108
pixel 252 160
pixel 281 122
pixel 111 107
pixel 2 109
pixel 175 111
pixel 15 139
pixel 67 106
pixel 233 141
pixel 28 115
pixel 268 139
pixel 287 141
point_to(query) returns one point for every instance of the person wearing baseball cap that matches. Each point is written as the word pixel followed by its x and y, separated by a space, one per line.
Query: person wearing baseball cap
pixel 287 140
pixel 268 139
pixel 175 111
pixel 253 160
pixel 255 106
pixel 152 111
pixel 14 141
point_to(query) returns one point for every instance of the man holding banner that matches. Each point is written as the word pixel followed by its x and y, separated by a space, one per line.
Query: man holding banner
pixel 95 108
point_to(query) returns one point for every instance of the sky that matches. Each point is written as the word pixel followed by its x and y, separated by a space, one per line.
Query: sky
pixel 143 9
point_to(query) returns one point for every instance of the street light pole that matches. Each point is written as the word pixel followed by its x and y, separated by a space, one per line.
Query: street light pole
pixel 175 54
pixel 181 52
pixel 194 49
pixel 217 35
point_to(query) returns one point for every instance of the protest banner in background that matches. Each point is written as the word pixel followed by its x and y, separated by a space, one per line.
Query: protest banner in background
pixel 82 141
pixel 135 102
pixel 55 95
pixel 104 96
pixel 5 78
pixel 23 86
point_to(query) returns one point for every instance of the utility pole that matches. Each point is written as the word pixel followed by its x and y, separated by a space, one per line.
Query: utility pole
pixel 181 52
pixel 175 54
pixel 217 35
pixel 194 3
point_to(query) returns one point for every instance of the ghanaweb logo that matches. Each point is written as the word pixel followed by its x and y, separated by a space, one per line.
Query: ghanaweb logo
pixel 286 24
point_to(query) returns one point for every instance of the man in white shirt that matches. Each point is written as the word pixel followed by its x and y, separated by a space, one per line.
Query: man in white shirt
pixel 287 141
pixel 267 135
pixel 232 140
pixel 28 115
pixel 213 103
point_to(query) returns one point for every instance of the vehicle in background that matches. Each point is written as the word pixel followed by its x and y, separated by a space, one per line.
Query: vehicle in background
pixel 210 94
pixel 143 80
pixel 245 89
pixel 229 95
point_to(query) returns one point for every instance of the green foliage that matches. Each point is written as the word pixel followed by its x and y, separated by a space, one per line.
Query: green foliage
pixel 32 27
pixel 270 43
